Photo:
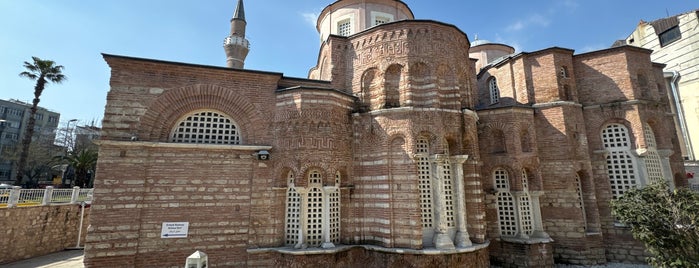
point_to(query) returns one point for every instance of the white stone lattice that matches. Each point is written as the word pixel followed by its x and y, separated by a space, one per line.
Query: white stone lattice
pixel 206 127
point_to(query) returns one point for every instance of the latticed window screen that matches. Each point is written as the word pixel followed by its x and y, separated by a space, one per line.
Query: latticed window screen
pixel 579 194
pixel 494 91
pixel 334 196
pixel 206 127
pixel 448 193
pixel 620 166
pixel 381 20
pixel 654 166
pixel 314 177
pixel 506 204
pixel 525 214
pixel 315 217
pixel 344 28
pixel 425 182
pixel 293 215
pixel 501 180
pixel 525 206
pixel 525 180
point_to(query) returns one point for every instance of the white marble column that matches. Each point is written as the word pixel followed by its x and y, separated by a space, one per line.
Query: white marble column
pixel 326 217
pixel 536 216
pixel 303 218
pixel 462 238
pixel 441 237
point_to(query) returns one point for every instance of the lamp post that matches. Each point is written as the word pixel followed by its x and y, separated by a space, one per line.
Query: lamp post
pixel 3 123
pixel 68 133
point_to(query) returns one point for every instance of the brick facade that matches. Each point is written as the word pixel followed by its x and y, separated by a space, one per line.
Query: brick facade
pixel 383 108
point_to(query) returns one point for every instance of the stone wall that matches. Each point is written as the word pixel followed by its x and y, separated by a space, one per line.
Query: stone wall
pixel 36 231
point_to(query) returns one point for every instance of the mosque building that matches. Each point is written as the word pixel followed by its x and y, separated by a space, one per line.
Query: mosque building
pixel 408 145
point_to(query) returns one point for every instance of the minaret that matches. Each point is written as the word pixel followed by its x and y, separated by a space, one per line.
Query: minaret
pixel 235 45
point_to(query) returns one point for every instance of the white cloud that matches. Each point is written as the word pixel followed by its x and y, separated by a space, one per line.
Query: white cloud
pixel 310 18
pixel 533 20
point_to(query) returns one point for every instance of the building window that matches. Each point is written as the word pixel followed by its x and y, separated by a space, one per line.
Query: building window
pixel 39 116
pixel 494 91
pixel 507 217
pixel 206 127
pixel 314 212
pixel 563 71
pixel 378 18
pixel 318 206
pixel 579 195
pixel 652 160
pixel 424 182
pixel 53 119
pixel 448 191
pixel 344 27
pixel 525 207
pixel 620 164
pixel 293 212
pixel 670 36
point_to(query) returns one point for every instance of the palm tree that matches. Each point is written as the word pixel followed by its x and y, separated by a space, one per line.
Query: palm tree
pixel 83 162
pixel 43 71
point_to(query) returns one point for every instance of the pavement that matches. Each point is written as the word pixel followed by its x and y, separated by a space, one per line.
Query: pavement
pixel 63 259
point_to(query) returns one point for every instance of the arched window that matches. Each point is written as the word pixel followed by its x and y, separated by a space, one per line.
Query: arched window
pixel 525 207
pixel 507 217
pixel 498 142
pixel 563 71
pixel 424 181
pixel 494 90
pixel 654 166
pixel 579 195
pixel 620 164
pixel 293 212
pixel 321 212
pixel 208 127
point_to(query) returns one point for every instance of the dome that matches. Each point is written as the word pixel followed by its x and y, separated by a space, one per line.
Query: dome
pixel 347 17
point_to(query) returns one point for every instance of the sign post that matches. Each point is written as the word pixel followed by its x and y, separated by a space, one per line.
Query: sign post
pixel 174 230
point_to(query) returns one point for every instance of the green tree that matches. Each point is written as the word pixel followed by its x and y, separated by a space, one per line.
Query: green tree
pixel 83 162
pixel 43 71
pixel 665 221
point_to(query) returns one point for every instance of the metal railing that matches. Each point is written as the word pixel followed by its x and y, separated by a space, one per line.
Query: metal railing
pixel 17 197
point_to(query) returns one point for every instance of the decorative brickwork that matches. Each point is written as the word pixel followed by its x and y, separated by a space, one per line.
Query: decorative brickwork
pixel 393 154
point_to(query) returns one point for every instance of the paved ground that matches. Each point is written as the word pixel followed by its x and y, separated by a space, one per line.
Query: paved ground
pixel 74 259
pixel 63 259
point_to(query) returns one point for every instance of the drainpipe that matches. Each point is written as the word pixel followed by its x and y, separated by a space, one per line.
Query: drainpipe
pixel 680 114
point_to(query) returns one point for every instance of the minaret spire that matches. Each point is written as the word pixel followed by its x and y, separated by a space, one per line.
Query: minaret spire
pixel 235 45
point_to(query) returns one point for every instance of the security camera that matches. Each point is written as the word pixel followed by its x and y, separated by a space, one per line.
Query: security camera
pixel 263 155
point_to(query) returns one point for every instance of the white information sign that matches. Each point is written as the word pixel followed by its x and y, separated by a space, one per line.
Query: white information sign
pixel 174 230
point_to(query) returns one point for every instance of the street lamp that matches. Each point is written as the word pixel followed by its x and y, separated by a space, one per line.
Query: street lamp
pixel 68 133
pixel 3 122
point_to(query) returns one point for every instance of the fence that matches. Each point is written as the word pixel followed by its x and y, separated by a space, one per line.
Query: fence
pixel 17 197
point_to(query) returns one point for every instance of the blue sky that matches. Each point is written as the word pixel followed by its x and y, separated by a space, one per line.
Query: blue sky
pixel 282 34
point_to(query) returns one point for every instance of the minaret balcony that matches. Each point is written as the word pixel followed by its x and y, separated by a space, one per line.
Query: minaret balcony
pixel 236 40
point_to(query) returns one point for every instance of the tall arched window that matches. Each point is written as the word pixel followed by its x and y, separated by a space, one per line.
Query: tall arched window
pixel 620 163
pixel 654 166
pixel 507 217
pixel 314 212
pixel 525 207
pixel 293 212
pixel 318 206
pixel 424 182
pixel 494 90
pixel 579 195
pixel 208 127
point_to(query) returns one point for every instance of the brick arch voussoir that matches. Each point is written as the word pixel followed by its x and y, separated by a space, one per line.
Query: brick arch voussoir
pixel 161 116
